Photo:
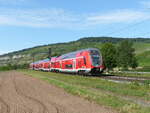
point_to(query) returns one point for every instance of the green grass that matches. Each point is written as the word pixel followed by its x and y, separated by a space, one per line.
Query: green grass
pixel 143 69
pixel 144 58
pixel 132 74
pixel 143 53
pixel 141 47
pixel 101 91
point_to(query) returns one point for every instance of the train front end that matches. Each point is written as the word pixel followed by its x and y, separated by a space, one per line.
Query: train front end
pixel 97 65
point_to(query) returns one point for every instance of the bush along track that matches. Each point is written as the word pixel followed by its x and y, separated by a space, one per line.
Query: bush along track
pixel 125 98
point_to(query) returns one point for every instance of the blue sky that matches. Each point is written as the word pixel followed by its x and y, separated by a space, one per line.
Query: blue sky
pixel 28 23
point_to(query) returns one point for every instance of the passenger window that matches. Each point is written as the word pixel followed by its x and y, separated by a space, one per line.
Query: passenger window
pixel 68 66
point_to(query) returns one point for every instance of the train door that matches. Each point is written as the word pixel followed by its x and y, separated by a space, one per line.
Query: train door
pixel 74 64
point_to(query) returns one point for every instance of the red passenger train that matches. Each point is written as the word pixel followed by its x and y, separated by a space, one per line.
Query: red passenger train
pixel 86 61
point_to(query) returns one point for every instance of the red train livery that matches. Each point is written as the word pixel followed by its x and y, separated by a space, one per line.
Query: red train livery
pixel 82 62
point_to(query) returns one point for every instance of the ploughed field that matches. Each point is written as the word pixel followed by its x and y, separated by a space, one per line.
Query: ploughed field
pixel 24 94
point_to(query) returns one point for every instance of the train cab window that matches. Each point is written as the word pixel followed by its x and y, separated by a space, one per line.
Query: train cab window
pixel 68 66
pixel 96 60
pixel 95 56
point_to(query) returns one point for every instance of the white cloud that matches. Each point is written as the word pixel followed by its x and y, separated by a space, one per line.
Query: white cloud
pixel 12 2
pixel 58 18
pixel 38 18
pixel 121 16
pixel 145 3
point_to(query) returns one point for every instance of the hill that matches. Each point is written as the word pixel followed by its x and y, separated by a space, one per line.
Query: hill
pixel 24 56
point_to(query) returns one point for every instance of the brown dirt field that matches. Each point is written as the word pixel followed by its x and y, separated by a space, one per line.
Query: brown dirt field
pixel 24 94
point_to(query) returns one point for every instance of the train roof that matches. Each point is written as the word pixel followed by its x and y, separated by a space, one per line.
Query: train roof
pixel 73 54
pixel 45 60
pixel 37 62
pixel 65 56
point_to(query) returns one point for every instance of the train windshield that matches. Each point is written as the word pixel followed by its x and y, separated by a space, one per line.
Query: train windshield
pixel 95 56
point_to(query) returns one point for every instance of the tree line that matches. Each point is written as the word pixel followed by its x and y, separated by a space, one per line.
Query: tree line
pixel 14 67
pixel 120 55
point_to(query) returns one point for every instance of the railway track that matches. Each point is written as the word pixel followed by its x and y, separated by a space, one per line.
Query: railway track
pixel 125 78
pixel 116 78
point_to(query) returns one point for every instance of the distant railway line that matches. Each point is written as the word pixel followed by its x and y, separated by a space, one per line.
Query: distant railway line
pixel 124 78
pixel 119 78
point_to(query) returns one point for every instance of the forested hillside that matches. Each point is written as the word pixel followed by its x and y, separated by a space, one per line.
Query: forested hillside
pixel 141 45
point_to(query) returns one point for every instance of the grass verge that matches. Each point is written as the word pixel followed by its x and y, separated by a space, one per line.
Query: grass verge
pixel 130 74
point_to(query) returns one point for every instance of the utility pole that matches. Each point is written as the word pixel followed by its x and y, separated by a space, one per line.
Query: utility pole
pixel 33 55
pixel 49 53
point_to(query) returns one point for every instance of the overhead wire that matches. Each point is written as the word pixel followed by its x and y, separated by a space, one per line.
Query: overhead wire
pixel 118 31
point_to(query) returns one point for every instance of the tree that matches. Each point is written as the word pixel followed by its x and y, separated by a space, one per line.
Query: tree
pixel 109 55
pixel 134 63
pixel 125 55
